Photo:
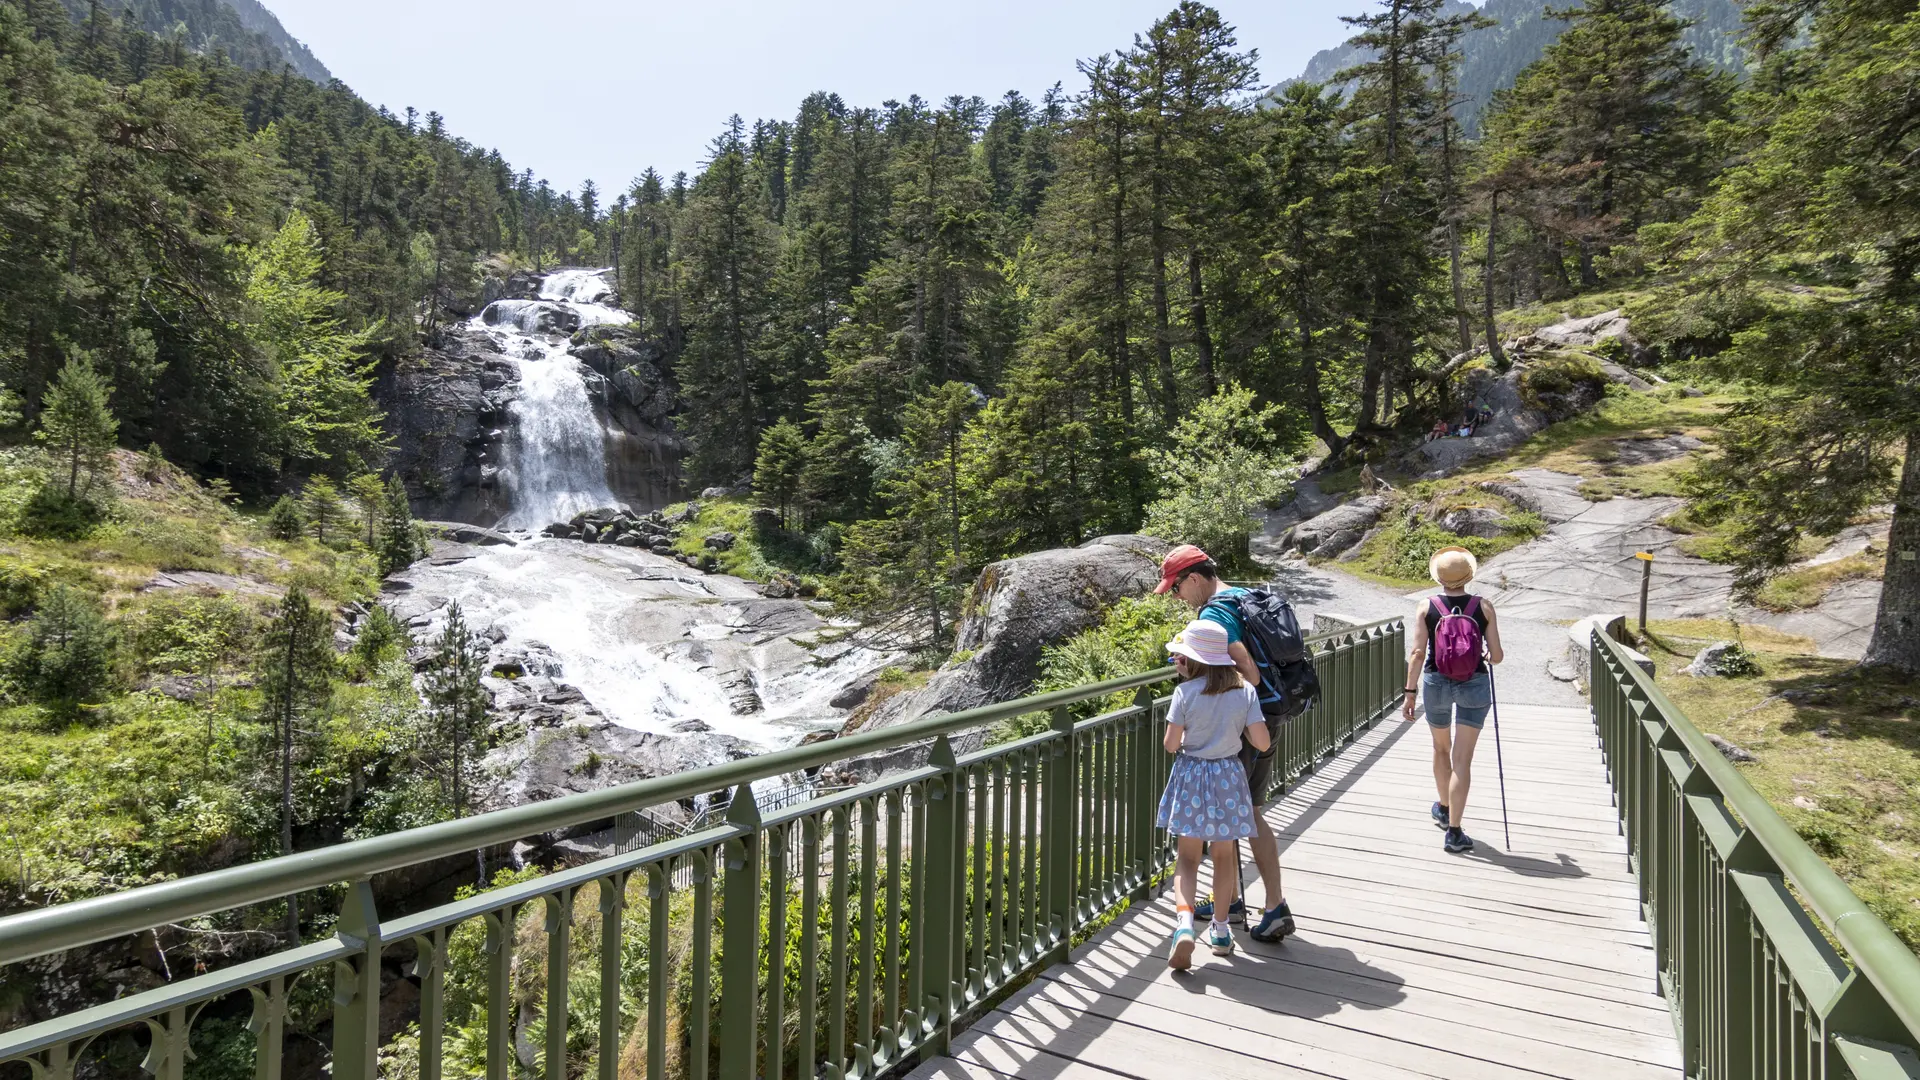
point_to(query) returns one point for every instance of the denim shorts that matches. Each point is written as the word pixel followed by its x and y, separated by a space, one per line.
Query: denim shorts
pixel 1448 702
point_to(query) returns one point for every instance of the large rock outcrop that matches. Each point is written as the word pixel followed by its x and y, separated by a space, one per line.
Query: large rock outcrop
pixel 1337 530
pixel 632 384
pixel 1018 607
pixel 447 412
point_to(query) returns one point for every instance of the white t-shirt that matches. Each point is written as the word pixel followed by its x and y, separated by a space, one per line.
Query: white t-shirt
pixel 1213 722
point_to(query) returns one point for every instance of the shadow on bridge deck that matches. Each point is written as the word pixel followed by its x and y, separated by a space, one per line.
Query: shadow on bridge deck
pixel 1409 962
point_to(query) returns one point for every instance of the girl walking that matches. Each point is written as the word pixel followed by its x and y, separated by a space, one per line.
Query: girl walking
pixel 1455 639
pixel 1207 801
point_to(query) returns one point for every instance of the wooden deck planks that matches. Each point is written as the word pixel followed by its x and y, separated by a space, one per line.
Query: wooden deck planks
pixel 1409 962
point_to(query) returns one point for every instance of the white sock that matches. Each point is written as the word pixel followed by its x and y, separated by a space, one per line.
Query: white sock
pixel 1220 927
pixel 1186 918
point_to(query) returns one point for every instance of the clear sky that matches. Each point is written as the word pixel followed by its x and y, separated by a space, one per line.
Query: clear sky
pixel 603 89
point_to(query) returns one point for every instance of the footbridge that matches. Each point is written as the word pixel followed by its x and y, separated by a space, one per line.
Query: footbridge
pixel 995 907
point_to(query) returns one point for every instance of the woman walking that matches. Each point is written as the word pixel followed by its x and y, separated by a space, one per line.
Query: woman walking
pixel 1455 639
pixel 1207 801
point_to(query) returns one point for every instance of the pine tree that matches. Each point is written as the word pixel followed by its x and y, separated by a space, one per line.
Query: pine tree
pixel 66 660
pixel 727 257
pixel 780 466
pixel 1614 118
pixel 913 564
pixel 1831 420
pixel 399 539
pixel 76 421
pixel 369 495
pixel 1391 105
pixel 326 415
pixel 457 711
pixel 1187 75
pixel 286 521
pixel 320 506
pixel 296 666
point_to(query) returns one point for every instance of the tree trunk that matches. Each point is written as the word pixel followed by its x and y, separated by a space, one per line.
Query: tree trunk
pixel 1494 350
pixel 1315 400
pixel 1460 311
pixel 1197 315
pixel 286 779
pixel 1896 628
pixel 1162 332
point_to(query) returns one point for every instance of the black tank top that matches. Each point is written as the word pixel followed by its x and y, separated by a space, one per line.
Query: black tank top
pixel 1457 605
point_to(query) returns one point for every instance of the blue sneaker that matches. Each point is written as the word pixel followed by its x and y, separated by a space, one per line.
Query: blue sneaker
pixel 1457 842
pixel 1440 816
pixel 1274 925
pixel 1220 940
pixel 1180 956
pixel 1236 911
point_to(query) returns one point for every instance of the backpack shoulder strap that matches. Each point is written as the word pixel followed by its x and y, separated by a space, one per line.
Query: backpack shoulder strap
pixel 1440 607
pixel 1473 607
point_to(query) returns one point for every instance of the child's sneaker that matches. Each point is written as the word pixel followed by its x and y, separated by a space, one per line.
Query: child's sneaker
pixel 1275 924
pixel 1236 911
pixel 1220 940
pixel 1457 842
pixel 1180 956
pixel 1440 816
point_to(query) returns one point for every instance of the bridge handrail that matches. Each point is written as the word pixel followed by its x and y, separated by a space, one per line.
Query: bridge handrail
pixel 1713 858
pixel 1056 827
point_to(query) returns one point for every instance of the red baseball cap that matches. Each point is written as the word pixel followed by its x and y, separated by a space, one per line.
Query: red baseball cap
pixel 1179 561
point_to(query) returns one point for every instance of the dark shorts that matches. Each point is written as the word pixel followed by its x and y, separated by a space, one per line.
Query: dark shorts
pixel 1260 766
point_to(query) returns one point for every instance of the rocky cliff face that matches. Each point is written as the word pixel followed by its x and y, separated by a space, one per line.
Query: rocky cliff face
pixel 449 409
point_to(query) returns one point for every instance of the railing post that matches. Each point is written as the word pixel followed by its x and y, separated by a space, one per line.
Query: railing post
pixel 740 960
pixel 1145 805
pixel 1058 791
pixel 356 988
pixel 940 926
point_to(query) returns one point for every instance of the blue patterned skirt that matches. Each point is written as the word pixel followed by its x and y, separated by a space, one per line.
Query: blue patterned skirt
pixel 1207 798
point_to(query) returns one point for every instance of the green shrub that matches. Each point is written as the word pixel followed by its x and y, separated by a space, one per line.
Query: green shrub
pixel 1131 638
pixel 56 515
pixel 1558 374
pixel 1220 467
pixel 66 659
pixel 285 521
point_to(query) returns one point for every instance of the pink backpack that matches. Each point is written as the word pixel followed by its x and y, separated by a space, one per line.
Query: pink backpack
pixel 1456 640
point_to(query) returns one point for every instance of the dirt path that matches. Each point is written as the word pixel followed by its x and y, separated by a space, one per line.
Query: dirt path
pixel 1530 642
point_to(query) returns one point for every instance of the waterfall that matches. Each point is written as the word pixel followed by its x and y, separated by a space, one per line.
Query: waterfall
pixel 556 444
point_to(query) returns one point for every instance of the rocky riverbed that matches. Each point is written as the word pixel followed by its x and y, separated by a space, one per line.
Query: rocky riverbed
pixel 610 663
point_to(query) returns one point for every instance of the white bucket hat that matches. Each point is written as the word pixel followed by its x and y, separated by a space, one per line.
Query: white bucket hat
pixel 1202 640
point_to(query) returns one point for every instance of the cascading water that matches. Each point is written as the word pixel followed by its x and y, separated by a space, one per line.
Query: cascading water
pixel 556 445
pixel 654 646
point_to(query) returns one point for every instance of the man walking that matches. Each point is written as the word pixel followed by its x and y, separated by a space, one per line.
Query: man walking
pixel 1188 573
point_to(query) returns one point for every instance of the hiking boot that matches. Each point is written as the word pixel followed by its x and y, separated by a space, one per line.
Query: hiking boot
pixel 1440 816
pixel 1236 911
pixel 1274 925
pixel 1180 956
pixel 1457 841
pixel 1220 940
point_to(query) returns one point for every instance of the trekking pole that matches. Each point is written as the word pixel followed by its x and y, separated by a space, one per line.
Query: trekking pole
pixel 1499 763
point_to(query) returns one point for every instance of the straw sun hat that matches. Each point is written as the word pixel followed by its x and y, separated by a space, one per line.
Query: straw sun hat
pixel 1452 567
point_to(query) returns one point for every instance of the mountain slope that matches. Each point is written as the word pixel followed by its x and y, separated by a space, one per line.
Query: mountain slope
pixel 1491 58
pixel 244 30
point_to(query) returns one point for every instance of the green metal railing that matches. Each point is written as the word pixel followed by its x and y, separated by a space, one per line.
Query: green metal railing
pixel 1737 903
pixel 839 937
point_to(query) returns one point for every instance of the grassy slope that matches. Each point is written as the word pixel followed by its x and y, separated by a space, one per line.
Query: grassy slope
pixel 753 556
pixel 133 788
pixel 1839 754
